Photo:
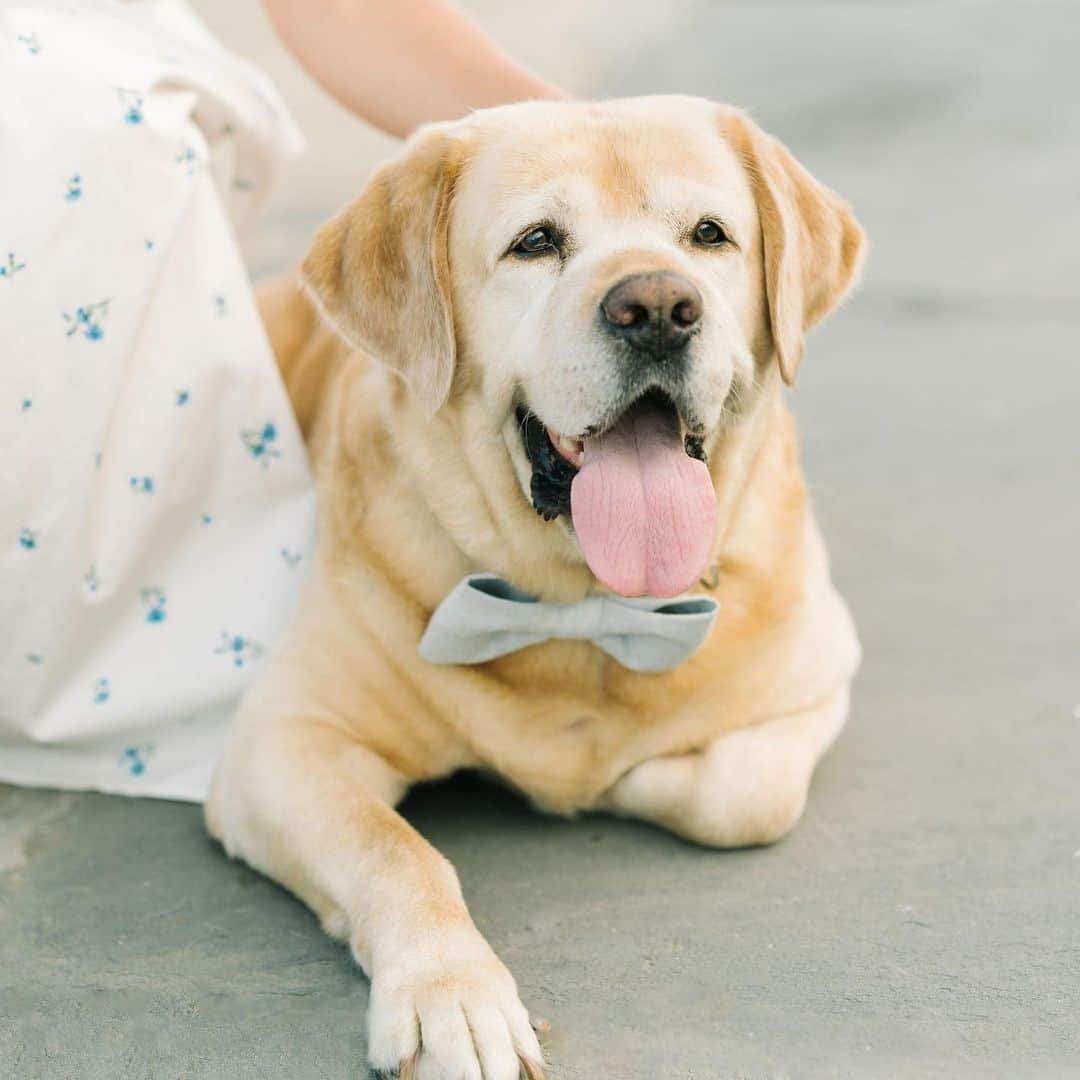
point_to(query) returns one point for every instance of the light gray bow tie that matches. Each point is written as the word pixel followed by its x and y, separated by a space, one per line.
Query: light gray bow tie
pixel 485 617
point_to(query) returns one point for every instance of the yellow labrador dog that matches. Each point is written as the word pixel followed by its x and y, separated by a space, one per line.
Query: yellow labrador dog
pixel 545 343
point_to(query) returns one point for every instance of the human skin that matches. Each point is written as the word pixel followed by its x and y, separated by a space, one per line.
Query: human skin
pixel 403 64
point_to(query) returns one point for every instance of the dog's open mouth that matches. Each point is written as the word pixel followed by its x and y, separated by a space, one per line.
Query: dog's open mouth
pixel 638 493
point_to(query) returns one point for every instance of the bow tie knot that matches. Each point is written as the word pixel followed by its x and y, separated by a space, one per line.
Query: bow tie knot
pixel 485 617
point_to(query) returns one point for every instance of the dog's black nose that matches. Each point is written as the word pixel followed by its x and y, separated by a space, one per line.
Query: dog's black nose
pixel 656 312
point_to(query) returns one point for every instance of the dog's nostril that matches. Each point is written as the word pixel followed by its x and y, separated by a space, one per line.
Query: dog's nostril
pixel 686 312
pixel 626 314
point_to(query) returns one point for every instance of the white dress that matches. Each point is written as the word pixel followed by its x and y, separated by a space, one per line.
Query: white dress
pixel 156 508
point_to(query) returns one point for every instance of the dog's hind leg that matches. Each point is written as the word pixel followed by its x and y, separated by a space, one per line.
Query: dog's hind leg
pixel 747 787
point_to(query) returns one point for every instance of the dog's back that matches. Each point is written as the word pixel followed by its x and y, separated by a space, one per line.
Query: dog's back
pixel 307 351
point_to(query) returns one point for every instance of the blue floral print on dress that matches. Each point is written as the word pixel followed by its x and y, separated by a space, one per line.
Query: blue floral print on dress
pixel 132 103
pixel 74 189
pixel 144 485
pixel 220 306
pixel 242 650
pixel 187 159
pixel 153 599
pixel 27 403
pixel 291 557
pixel 30 42
pixel 11 267
pixel 91 579
pixel 28 539
pixel 133 758
pixel 102 691
pixel 259 442
pixel 183 397
pixel 87 321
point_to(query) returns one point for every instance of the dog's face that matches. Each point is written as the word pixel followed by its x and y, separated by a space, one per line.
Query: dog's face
pixel 615 281
pixel 603 258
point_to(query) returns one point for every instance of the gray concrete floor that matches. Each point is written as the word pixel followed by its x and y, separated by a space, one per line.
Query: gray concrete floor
pixel 924 920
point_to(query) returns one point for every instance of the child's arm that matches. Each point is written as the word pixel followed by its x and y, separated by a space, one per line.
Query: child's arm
pixel 399 64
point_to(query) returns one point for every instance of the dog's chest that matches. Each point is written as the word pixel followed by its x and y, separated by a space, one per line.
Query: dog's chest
pixel 564 739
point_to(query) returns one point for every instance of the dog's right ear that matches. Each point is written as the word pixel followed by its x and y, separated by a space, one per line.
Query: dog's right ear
pixel 380 270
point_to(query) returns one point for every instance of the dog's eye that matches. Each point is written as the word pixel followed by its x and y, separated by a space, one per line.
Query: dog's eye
pixel 710 233
pixel 536 241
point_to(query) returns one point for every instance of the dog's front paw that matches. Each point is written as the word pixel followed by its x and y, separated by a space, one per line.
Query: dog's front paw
pixel 446 1008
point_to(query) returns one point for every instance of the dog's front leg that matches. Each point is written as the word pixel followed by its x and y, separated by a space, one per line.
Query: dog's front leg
pixel 304 802
pixel 747 787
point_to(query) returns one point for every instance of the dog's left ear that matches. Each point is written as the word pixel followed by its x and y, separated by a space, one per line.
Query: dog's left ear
pixel 813 246
pixel 380 270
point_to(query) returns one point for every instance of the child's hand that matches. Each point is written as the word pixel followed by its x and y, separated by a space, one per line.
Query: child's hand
pixel 400 65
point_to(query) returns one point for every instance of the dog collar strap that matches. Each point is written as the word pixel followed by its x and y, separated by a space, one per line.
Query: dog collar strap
pixel 485 617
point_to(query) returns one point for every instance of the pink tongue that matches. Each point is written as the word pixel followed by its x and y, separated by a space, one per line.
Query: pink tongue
pixel 644 512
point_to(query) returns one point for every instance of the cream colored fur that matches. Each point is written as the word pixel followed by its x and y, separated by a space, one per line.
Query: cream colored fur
pixel 409 412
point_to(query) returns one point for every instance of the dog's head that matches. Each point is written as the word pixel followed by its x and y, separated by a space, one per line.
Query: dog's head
pixel 616 281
